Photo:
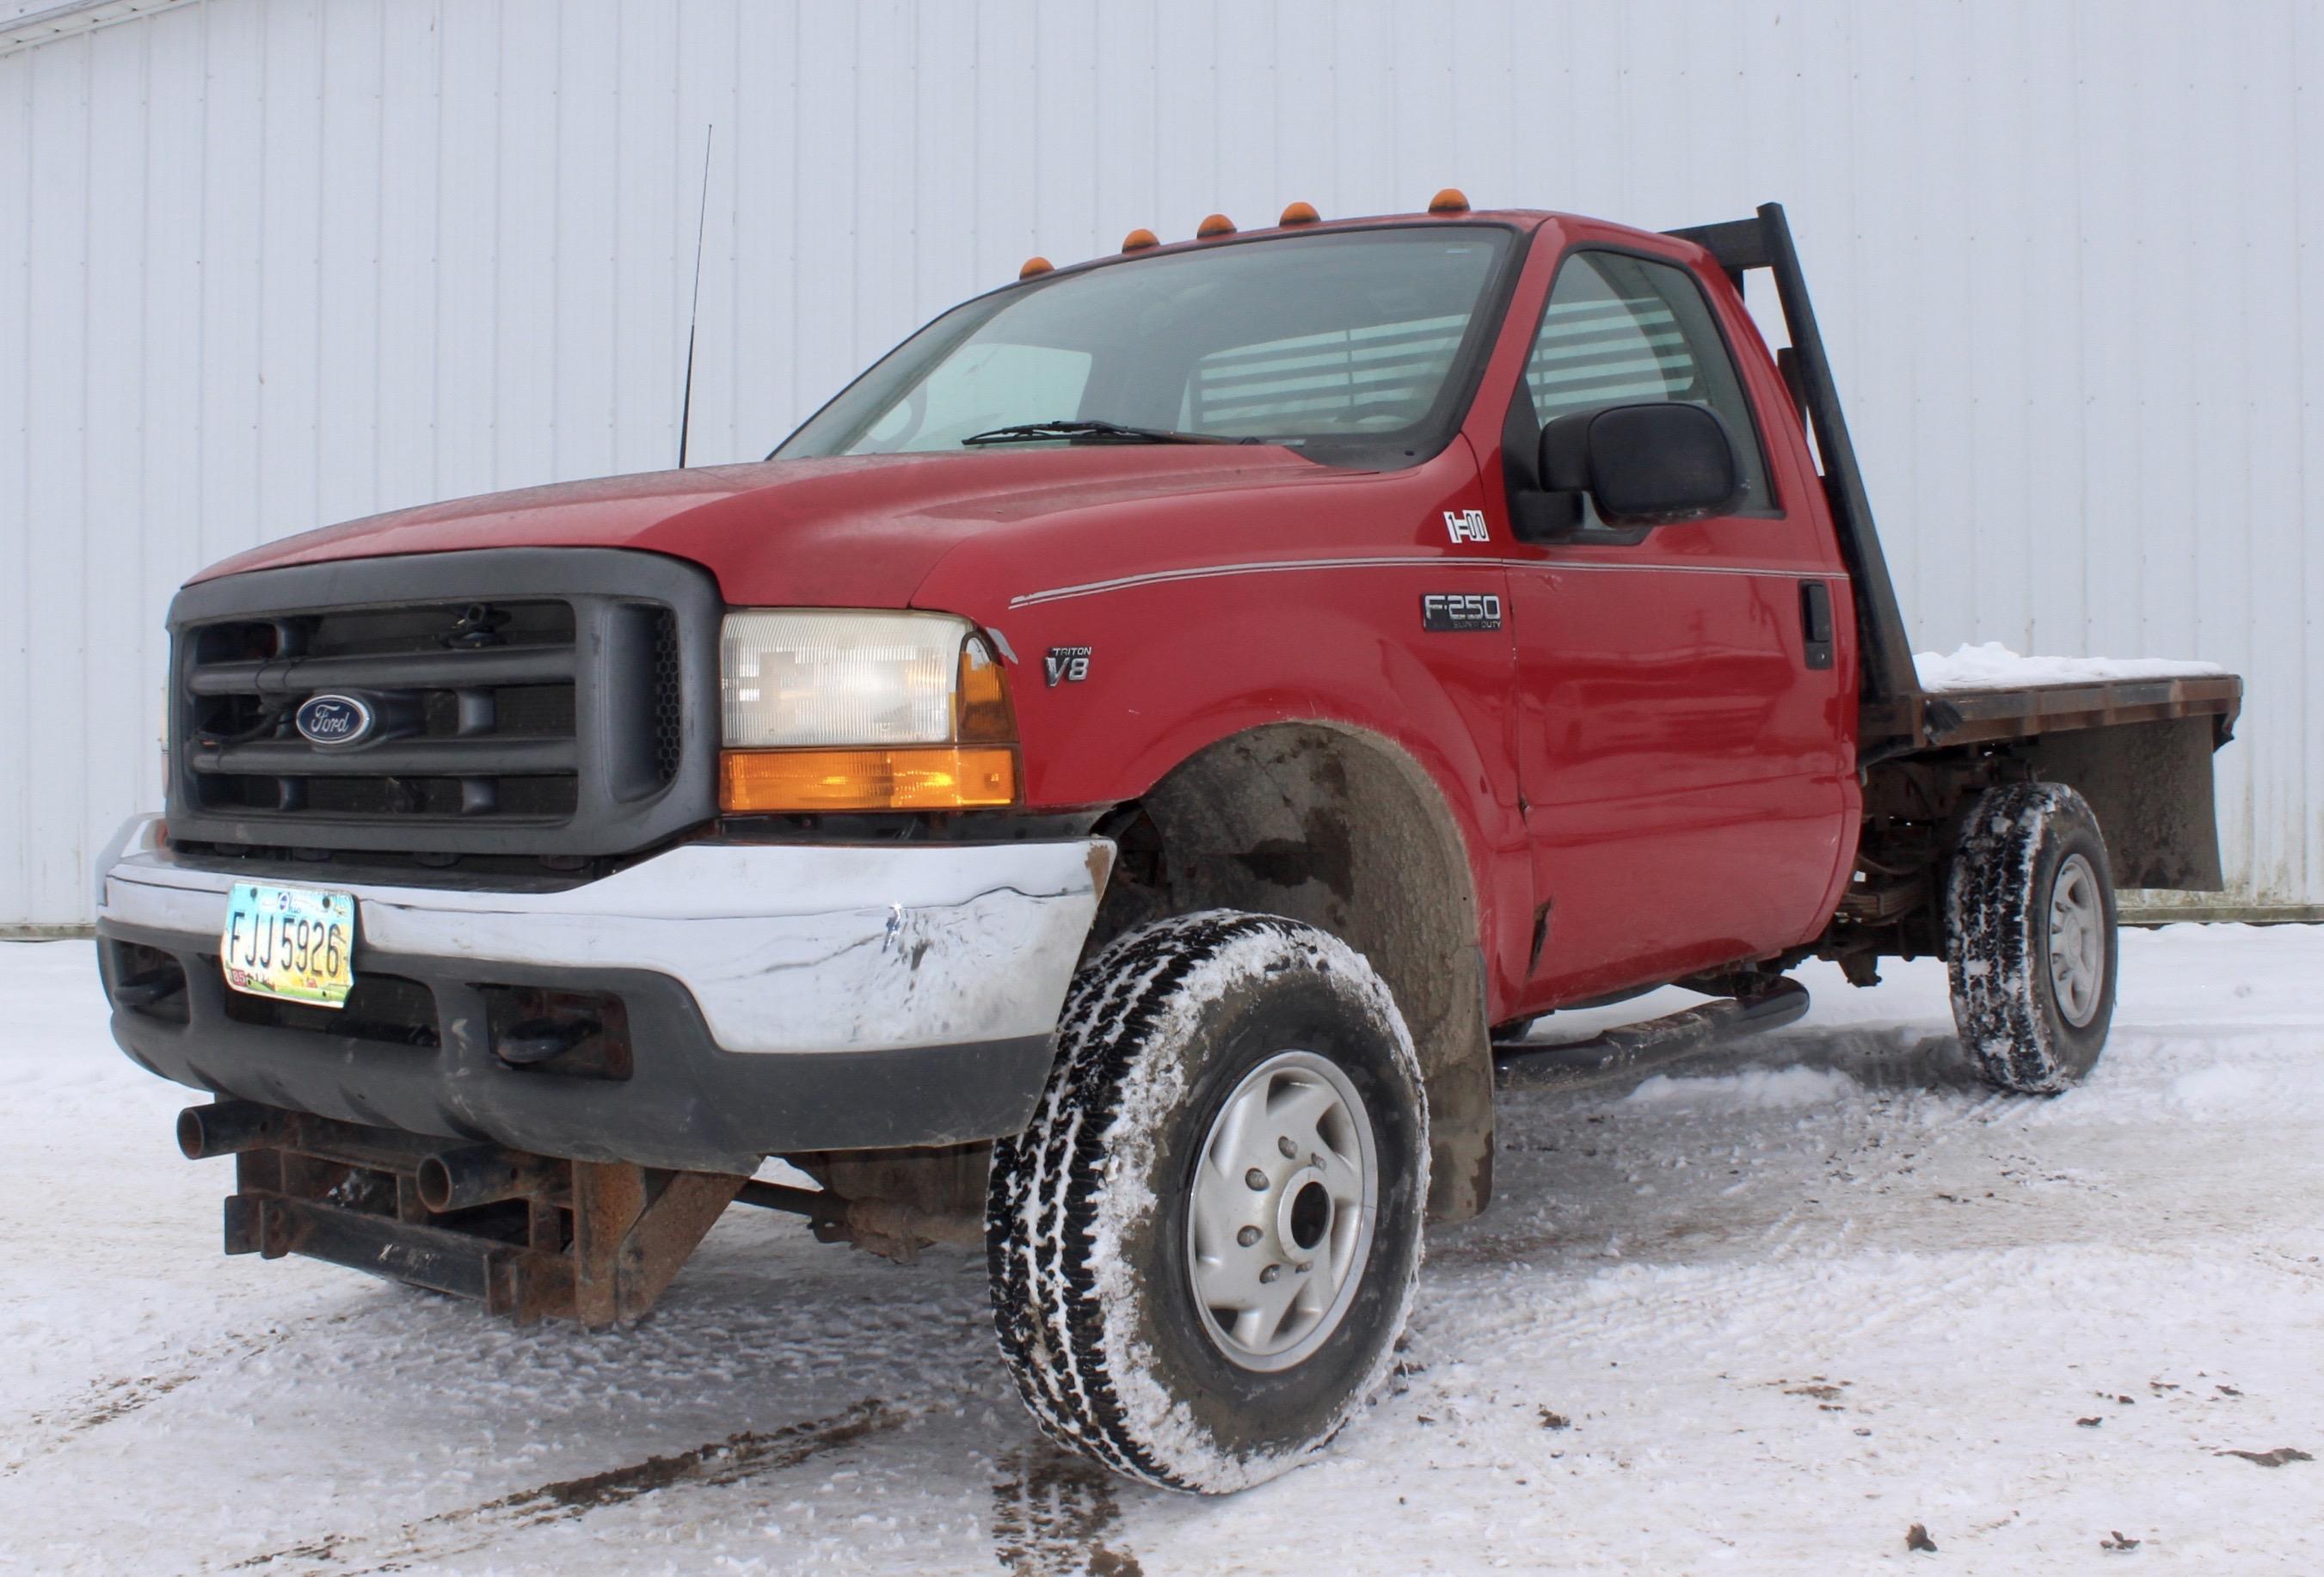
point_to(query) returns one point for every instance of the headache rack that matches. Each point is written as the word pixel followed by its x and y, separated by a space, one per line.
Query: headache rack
pixel 1892 708
pixel 1896 715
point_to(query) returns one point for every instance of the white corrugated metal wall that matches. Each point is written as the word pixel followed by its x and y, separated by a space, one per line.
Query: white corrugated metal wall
pixel 269 263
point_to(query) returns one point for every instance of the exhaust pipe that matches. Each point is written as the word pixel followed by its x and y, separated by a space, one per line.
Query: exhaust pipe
pixel 462 1179
pixel 228 1128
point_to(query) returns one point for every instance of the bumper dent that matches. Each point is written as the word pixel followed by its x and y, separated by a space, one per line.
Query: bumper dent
pixel 785 947
pixel 779 998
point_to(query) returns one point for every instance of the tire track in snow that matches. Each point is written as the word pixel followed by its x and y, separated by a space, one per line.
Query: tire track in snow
pixel 1920 1123
pixel 105 1400
pixel 1913 1090
pixel 2309 1268
pixel 1919 1101
pixel 1050 1512
pixel 1730 1291
pixel 748 1455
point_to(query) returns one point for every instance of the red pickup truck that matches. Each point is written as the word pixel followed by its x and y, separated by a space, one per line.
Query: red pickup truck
pixel 1109 788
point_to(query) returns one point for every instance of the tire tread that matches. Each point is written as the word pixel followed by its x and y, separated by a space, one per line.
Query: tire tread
pixel 1993 943
pixel 1043 1200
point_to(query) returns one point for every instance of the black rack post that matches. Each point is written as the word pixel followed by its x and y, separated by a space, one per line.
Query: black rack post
pixel 1889 692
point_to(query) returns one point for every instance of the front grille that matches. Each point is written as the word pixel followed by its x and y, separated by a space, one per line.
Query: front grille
pixel 547 701
pixel 668 697
pixel 472 702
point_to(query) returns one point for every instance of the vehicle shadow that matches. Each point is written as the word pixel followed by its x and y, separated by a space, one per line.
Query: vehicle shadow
pixel 1879 1057
pixel 1585 1174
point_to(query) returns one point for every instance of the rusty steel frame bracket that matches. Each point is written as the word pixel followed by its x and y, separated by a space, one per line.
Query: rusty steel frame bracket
pixel 632 1230
pixel 594 1242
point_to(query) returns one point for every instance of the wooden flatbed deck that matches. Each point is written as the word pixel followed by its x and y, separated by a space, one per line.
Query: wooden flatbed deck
pixel 1974 716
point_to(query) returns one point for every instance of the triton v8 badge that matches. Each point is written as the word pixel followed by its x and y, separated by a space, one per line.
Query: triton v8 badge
pixel 1067 665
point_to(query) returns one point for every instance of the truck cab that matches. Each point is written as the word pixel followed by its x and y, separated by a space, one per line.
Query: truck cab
pixel 1109 788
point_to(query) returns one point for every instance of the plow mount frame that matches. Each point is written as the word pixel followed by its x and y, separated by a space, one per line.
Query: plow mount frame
pixel 529 1237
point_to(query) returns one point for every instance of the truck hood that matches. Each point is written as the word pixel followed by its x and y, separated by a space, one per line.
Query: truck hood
pixel 860 532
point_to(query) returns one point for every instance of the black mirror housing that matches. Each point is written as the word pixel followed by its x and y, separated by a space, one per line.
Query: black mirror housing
pixel 1654 464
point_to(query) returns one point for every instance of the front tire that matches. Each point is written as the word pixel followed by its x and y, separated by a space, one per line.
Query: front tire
pixel 2030 938
pixel 1205 1246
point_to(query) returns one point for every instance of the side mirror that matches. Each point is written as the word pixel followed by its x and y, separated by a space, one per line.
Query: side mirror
pixel 1648 464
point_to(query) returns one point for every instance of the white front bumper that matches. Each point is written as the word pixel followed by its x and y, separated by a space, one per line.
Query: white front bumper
pixel 786 947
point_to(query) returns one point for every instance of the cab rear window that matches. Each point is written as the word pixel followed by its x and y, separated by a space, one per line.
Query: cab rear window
pixel 1620 329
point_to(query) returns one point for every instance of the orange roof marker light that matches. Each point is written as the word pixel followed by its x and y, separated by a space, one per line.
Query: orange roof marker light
pixel 1216 225
pixel 1300 214
pixel 1450 200
pixel 1139 240
pixel 1034 267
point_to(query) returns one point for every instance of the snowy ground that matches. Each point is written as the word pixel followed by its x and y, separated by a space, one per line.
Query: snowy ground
pixel 1764 1320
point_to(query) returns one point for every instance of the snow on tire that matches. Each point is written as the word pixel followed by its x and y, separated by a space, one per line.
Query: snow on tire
pixel 1205 1244
pixel 2030 938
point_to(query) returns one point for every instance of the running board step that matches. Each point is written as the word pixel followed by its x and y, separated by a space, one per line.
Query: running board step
pixel 1632 1046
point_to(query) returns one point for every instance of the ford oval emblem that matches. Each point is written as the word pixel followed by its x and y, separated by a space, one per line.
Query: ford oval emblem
pixel 329 720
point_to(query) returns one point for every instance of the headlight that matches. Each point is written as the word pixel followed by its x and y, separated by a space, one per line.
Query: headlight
pixel 830 710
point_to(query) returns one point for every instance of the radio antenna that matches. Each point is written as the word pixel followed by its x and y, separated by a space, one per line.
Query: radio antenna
pixel 694 312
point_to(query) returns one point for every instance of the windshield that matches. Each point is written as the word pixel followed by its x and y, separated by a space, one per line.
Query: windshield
pixel 1343 345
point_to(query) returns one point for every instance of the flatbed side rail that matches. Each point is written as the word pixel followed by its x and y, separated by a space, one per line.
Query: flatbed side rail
pixel 2022 711
pixel 1890 700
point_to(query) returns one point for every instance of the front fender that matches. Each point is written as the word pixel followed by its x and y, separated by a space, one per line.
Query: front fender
pixel 1116 688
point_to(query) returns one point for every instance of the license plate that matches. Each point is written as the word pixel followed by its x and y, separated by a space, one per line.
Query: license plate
pixel 289 942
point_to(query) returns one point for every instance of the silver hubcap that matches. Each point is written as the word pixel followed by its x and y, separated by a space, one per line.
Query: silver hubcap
pixel 2077 941
pixel 1281 1217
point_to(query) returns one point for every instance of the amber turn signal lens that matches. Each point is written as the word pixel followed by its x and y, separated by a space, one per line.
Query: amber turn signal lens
pixel 927 776
pixel 1216 225
pixel 1139 240
pixel 1299 213
pixel 1450 200
pixel 1034 268
pixel 983 713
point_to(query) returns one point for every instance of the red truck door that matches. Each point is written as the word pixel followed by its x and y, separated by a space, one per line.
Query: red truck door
pixel 1681 737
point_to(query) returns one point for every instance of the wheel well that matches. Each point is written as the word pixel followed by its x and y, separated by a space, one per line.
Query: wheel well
pixel 2148 784
pixel 1344 830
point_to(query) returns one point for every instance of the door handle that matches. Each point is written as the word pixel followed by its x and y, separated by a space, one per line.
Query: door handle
pixel 1815 623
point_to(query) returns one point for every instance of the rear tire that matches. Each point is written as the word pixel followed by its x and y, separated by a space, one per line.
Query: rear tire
pixel 1205 1246
pixel 2030 938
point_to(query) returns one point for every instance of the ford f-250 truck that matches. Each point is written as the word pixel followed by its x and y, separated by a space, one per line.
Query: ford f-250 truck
pixel 1109 788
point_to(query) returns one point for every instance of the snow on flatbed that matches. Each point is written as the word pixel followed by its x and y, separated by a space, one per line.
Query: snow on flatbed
pixel 1992 666
pixel 1762 1314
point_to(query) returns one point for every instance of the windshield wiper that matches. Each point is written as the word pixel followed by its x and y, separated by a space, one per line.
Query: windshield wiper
pixel 1033 432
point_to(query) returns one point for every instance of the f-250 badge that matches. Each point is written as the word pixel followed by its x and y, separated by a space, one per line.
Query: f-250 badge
pixel 1467 525
pixel 1066 665
pixel 1460 610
